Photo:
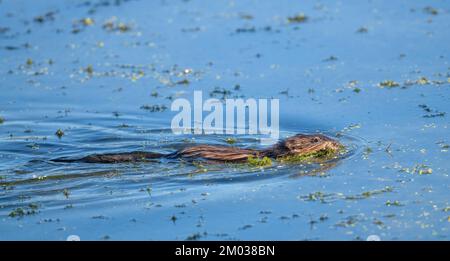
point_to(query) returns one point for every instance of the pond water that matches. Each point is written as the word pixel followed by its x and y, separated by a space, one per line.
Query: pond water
pixel 373 74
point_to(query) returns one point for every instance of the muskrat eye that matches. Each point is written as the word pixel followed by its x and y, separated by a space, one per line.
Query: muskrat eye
pixel 315 140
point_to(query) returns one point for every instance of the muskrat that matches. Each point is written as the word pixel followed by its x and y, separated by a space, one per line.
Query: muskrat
pixel 298 145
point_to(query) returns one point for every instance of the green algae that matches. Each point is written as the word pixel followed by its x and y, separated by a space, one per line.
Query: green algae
pixel 299 18
pixel 368 194
pixel 59 133
pixel 230 140
pixel 154 108
pixel 321 155
pixel 388 84
pixel 259 162
pixel 31 209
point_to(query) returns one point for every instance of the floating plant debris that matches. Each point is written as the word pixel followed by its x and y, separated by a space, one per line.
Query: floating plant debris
pixel 362 30
pixel 87 21
pixel 112 25
pixel 59 133
pixel 246 30
pixel 230 140
pixel 31 209
pixel 183 82
pixel 321 155
pixel 431 113
pixel 430 10
pixel 259 162
pixel 89 69
pixel 331 59
pixel 50 16
pixel 394 203
pixel 299 18
pixel 154 108
pixel 388 84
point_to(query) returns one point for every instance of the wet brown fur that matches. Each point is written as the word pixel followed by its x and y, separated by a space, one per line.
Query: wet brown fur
pixel 300 144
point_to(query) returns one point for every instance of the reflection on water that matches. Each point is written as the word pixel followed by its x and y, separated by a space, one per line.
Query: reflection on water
pixel 374 75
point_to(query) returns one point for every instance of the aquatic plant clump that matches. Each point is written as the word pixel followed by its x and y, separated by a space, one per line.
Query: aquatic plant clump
pixel 259 162
pixel 321 155
pixel 388 84
pixel 300 18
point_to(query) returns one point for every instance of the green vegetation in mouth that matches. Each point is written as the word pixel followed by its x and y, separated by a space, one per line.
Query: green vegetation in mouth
pixel 259 162
pixel 389 84
pixel 321 155
pixel 2 120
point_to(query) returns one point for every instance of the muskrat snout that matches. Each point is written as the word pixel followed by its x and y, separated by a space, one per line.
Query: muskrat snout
pixel 302 144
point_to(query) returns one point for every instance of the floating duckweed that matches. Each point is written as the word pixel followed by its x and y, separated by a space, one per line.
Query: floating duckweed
pixel 423 81
pixel 18 212
pixel 368 194
pixel 29 62
pixel 426 171
pixel 66 193
pixel 200 167
pixel 87 21
pixel 123 27
pixel 431 10
pixel 31 209
pixel 300 18
pixel 194 237
pixel 89 69
pixel 323 154
pixel 357 90
pixel 59 133
pixel 258 162
pixel 154 108
pixel 183 82
pixel 388 84
pixel 362 30
pixel 395 203
pixel 112 26
pixel 318 195
pixel 230 140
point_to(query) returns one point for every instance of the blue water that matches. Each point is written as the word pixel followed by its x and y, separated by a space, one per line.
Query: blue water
pixel 87 68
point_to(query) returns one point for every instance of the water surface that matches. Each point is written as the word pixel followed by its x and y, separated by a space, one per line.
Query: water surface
pixel 373 74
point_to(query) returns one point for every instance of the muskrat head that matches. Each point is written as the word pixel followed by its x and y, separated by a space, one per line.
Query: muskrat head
pixel 302 144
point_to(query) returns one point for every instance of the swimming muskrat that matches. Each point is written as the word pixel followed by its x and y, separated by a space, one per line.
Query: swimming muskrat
pixel 295 146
